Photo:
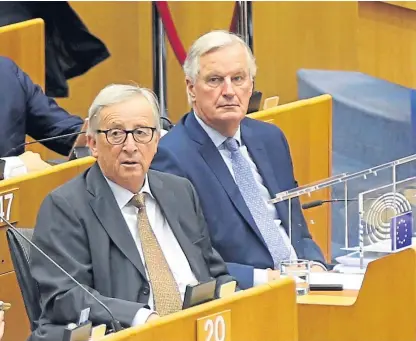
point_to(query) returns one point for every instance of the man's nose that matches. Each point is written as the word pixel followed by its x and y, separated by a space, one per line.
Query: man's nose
pixel 130 145
pixel 228 88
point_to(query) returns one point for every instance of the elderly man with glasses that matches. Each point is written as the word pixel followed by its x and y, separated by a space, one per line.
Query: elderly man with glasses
pixel 133 237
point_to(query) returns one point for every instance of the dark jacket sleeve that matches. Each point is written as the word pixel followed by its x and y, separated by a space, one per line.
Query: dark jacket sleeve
pixel 166 162
pixel 62 235
pixel 45 118
pixel 217 266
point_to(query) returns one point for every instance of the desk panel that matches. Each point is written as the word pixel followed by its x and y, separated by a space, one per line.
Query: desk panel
pixel 17 323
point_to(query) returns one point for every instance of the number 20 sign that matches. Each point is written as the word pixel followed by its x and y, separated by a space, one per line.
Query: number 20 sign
pixel 9 207
pixel 216 327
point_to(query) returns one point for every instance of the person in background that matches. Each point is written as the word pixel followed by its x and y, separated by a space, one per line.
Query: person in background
pixel 26 110
pixel 236 164
pixel 70 48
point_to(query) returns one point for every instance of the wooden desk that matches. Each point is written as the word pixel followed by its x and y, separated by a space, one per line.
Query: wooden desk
pixel 343 293
pixel 404 4
pixel 382 310
pixel 263 313
pixel 335 298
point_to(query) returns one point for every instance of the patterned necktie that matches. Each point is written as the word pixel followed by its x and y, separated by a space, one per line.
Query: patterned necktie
pixel 258 209
pixel 166 295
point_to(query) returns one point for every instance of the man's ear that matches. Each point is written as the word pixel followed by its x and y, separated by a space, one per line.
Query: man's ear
pixel 92 144
pixel 190 88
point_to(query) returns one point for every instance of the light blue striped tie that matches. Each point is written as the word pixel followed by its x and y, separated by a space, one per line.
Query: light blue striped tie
pixel 257 206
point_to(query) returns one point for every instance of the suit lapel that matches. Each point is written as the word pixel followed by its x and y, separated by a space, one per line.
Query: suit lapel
pixel 261 158
pixel 168 204
pixel 214 160
pixel 106 209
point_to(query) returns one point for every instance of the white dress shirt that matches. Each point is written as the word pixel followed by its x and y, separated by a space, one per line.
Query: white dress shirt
pixel 260 275
pixel 174 255
pixel 14 166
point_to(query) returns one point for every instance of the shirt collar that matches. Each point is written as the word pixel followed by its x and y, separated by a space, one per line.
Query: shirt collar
pixel 216 137
pixel 123 196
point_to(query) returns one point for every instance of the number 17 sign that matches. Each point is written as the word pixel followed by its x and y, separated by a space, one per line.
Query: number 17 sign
pixel 9 206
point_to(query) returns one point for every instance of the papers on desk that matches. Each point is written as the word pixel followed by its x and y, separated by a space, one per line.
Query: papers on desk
pixel 353 259
pixel 346 269
pixel 348 280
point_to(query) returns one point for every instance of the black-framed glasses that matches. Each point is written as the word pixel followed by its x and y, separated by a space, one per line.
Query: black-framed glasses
pixel 119 136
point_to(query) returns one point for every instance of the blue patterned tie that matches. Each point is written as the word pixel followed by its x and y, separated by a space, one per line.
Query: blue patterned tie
pixel 251 194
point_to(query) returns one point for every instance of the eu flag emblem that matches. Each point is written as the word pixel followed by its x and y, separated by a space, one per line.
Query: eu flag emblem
pixel 401 231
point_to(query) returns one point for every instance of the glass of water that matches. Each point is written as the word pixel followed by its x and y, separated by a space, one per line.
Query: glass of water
pixel 299 270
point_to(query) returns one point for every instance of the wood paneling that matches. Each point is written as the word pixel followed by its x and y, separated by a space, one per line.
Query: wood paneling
pixel 24 43
pixel 292 35
pixel 6 264
pixel 405 4
pixel 192 19
pixel 17 323
pixel 387 42
pixel 125 28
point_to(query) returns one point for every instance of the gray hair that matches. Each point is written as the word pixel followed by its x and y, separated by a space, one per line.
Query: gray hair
pixel 118 93
pixel 210 42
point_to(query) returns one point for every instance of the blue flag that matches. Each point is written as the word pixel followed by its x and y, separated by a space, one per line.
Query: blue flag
pixel 401 231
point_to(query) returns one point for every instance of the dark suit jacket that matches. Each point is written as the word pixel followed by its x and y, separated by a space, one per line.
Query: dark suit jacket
pixel 81 227
pixel 189 152
pixel 25 109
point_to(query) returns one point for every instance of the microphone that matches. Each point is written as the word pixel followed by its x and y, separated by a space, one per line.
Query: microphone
pixel 114 323
pixel 42 140
pixel 316 203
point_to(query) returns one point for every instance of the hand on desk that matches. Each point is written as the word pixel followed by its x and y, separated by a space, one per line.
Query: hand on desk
pixel 1 324
pixel 152 317
pixel 273 275
pixel 33 162
pixel 317 268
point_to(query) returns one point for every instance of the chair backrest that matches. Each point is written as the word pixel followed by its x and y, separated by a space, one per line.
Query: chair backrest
pixel 271 102
pixel 20 254
pixel 254 104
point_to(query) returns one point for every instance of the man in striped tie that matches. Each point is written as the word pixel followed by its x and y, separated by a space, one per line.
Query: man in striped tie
pixel 236 164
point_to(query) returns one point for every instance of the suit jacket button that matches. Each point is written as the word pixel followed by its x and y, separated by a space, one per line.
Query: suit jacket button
pixel 146 291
